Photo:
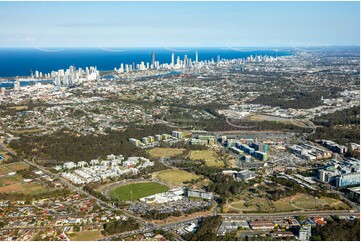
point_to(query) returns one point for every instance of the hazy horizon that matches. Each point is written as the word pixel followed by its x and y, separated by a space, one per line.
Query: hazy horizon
pixel 179 24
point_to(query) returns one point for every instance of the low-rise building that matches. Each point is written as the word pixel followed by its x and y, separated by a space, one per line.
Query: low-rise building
pixel 245 175
pixel 200 194
pixel 262 225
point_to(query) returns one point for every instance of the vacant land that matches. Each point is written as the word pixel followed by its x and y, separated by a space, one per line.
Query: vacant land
pixel 209 156
pixel 24 131
pixel 165 152
pixel 15 184
pixel 135 191
pixel 90 235
pixel 5 169
pixel 176 177
pixel 18 107
pixel 298 202
pixel 253 204
pixel 262 117
pixel 303 202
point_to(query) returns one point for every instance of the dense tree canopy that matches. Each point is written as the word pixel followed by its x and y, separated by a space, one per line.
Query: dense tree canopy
pixel 340 230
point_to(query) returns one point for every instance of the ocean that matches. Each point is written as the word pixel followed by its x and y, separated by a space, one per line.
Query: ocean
pixel 21 61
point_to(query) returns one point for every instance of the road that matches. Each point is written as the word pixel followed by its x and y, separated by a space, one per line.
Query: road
pixel 241 216
pixel 2 147
pixel 292 214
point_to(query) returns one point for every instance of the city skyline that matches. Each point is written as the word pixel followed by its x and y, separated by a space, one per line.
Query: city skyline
pixel 178 24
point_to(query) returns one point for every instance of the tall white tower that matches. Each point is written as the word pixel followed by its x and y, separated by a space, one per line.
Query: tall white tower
pixel 17 84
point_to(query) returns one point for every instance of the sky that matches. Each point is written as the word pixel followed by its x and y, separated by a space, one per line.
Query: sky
pixel 179 24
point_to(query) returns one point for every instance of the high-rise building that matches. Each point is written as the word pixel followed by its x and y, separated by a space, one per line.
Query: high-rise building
pixel 196 56
pixel 185 60
pixel 17 84
pixel 218 58
pixel 153 59
pixel 304 233
pixel 172 59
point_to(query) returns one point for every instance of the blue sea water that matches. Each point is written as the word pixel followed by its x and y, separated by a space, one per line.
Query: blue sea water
pixel 21 61
pixel 10 83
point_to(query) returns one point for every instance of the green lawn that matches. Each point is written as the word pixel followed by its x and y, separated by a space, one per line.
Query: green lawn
pixel 137 190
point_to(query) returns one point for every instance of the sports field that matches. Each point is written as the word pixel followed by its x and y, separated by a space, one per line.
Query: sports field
pixel 176 177
pixel 209 156
pixel 15 184
pixel 90 235
pixel 135 191
pixel 165 152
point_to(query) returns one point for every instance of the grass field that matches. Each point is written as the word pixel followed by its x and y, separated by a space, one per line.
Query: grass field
pixel 90 235
pixel 209 156
pixel 138 190
pixel 5 169
pixel 176 177
pixel 16 184
pixel 165 152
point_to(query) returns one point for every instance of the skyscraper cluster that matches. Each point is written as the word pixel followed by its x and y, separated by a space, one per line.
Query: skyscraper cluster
pixel 71 76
